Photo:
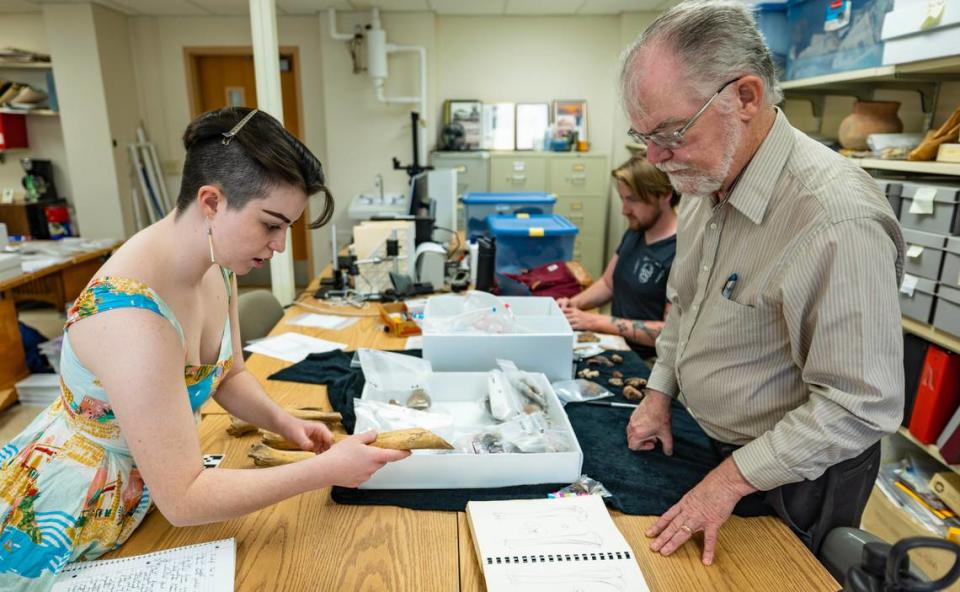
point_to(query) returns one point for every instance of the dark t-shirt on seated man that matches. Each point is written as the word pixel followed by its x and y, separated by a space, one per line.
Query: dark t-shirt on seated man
pixel 640 280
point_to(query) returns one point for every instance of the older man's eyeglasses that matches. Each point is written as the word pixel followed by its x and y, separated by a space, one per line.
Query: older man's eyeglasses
pixel 675 139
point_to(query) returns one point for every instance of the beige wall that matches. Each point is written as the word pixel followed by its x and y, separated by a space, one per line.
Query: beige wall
pixel 123 110
pixel 533 59
pixel 27 31
pixel 631 25
pixel 514 59
pixel 158 54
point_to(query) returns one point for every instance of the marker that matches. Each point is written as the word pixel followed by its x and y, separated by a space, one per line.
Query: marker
pixel 729 286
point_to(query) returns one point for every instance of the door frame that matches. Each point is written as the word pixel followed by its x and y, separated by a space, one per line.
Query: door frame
pixel 190 55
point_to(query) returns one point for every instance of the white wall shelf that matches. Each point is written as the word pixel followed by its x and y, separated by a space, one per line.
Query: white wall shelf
pixel 37 112
pixel 909 166
pixel 938 69
pixel 923 77
pixel 931 334
pixel 26 65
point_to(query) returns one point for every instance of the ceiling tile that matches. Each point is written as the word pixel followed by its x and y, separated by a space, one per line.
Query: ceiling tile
pixel 312 6
pixel 158 7
pixel 468 7
pixel 12 6
pixel 543 7
pixel 618 6
pixel 391 5
pixel 224 7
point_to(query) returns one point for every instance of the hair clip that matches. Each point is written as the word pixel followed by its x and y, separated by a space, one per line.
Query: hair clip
pixel 227 136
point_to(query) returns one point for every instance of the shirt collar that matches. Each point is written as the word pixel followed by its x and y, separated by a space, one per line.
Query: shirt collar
pixel 754 189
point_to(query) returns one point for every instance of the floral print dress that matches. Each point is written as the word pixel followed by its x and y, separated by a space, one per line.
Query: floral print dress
pixel 69 487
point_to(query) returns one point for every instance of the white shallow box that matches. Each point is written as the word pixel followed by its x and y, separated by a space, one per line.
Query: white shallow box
pixel 904 41
pixel 546 347
pixel 462 394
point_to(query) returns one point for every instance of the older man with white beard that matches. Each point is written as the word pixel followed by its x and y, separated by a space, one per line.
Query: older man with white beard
pixel 784 340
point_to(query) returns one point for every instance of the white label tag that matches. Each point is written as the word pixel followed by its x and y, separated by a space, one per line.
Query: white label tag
pixel 933 15
pixel 923 200
pixel 914 251
pixel 909 284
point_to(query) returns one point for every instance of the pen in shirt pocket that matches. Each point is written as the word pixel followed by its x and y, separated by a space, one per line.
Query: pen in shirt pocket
pixel 728 286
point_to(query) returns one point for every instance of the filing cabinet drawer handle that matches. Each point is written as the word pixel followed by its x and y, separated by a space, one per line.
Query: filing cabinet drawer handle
pixel 577 179
pixel 517 178
pixel 579 167
pixel 576 206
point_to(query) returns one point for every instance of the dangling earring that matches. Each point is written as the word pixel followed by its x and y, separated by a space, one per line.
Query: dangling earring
pixel 210 242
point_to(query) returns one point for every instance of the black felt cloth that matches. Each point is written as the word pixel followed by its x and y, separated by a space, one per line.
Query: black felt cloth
pixel 642 483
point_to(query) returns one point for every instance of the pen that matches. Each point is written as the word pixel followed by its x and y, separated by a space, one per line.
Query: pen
pixel 611 404
pixel 728 287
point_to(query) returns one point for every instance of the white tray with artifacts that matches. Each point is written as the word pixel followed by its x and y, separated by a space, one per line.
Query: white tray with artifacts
pixel 506 427
pixel 469 333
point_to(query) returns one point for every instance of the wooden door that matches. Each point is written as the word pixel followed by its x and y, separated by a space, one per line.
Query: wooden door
pixel 225 77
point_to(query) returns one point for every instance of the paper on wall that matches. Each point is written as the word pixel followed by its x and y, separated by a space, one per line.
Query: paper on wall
pixel 914 251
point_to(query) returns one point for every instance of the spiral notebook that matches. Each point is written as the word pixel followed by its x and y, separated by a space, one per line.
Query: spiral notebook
pixel 207 567
pixel 552 544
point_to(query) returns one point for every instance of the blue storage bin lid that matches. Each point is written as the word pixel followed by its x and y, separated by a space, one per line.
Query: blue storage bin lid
pixel 520 197
pixel 771 7
pixel 535 225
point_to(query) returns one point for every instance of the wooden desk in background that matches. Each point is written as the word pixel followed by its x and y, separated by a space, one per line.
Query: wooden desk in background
pixel 311 543
pixel 55 284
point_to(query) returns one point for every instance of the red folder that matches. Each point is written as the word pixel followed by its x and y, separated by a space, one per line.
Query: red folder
pixel 938 394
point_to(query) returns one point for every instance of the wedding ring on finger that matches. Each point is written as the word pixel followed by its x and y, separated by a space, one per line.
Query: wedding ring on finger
pixel 686 529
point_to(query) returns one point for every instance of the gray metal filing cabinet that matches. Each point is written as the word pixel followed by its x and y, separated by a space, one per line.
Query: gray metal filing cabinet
pixel 473 173
pixel 580 180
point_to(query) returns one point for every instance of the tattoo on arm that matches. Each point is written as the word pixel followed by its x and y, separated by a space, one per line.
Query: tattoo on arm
pixel 632 330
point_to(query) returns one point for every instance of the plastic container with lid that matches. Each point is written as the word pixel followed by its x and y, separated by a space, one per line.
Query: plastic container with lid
pixel 528 242
pixel 478 206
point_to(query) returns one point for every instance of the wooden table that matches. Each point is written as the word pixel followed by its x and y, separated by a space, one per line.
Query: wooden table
pixel 312 543
pixel 56 284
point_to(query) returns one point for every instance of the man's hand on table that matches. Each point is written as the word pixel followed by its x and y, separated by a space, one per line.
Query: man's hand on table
pixel 704 508
pixel 650 422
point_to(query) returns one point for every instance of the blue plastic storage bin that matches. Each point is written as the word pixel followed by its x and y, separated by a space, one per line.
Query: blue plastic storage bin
pixel 524 243
pixel 772 22
pixel 477 206
pixel 828 36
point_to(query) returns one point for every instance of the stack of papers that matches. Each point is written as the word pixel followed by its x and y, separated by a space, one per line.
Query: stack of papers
pixel 322 321
pixel 39 389
pixel 292 347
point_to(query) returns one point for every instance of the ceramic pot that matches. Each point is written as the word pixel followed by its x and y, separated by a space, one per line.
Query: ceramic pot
pixel 869 117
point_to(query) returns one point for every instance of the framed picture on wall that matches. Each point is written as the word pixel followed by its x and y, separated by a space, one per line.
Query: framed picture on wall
pixel 498 126
pixel 532 119
pixel 469 114
pixel 571 114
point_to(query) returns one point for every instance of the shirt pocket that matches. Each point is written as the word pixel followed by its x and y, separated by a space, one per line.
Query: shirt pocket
pixel 744 332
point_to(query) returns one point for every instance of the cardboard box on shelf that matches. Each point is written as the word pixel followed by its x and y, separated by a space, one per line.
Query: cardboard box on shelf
pixel 947 487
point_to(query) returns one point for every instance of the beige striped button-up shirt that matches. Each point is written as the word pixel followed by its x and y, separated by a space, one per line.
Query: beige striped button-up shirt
pixel 803 363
